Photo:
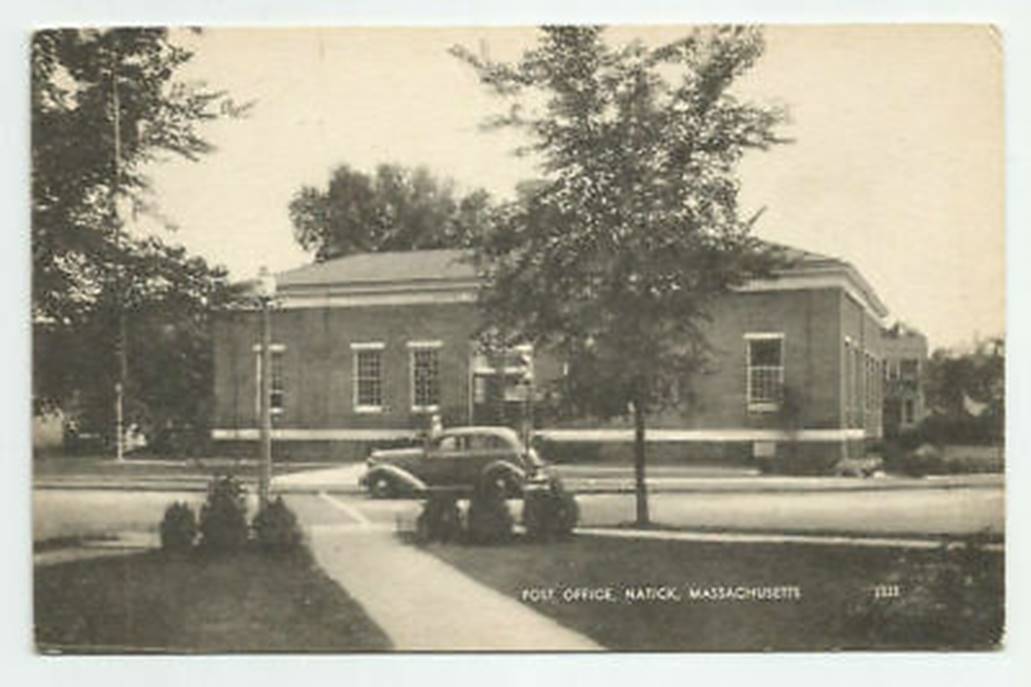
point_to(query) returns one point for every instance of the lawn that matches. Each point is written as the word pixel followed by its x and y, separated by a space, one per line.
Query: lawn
pixel 826 594
pixel 151 602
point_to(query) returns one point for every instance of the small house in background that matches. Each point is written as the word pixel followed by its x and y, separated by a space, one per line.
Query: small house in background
pixel 905 357
pixel 366 348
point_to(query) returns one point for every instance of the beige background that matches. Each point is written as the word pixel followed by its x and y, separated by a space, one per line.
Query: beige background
pixel 897 164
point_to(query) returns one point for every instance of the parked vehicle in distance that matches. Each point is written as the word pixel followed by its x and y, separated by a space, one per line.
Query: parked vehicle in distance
pixel 459 458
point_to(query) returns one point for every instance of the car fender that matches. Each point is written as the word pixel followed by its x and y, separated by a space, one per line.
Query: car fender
pixel 399 474
pixel 505 466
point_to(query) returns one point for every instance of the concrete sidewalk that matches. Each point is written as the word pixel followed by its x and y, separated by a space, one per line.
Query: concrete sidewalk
pixel 423 604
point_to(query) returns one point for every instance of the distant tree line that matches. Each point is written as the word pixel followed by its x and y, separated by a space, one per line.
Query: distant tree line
pixel 966 394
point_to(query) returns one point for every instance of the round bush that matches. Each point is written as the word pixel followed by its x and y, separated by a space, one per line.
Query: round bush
pixel 489 519
pixel 178 528
pixel 551 512
pixel 276 528
pixel 223 517
pixel 439 520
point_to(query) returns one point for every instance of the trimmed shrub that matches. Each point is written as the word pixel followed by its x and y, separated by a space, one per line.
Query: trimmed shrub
pixel 440 520
pixel 178 528
pixel 925 460
pixel 488 518
pixel 276 528
pixel 223 517
pixel 551 512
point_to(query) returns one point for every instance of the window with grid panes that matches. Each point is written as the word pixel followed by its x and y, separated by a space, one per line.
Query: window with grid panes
pixel 425 378
pixel 765 372
pixel 368 379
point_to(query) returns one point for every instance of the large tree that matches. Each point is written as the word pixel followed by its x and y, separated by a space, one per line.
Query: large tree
pixel 966 393
pixel 106 103
pixel 617 255
pixel 167 296
pixel 393 209
pixel 86 86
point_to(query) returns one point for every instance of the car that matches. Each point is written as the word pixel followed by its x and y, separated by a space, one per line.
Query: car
pixel 459 459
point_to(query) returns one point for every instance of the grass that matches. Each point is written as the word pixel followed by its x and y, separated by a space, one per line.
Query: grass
pixel 952 600
pixel 156 602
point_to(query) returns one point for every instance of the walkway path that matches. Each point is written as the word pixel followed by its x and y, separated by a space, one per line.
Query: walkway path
pixel 422 603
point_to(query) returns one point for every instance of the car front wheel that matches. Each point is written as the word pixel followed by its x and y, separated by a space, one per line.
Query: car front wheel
pixel 382 487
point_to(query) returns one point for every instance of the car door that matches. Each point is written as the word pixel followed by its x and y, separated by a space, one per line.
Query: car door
pixel 441 460
pixel 473 459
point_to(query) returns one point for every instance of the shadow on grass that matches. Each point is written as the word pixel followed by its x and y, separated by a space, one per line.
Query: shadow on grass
pixel 196 603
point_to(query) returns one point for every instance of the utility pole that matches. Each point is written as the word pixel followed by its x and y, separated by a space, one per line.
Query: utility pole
pixel 266 294
pixel 123 343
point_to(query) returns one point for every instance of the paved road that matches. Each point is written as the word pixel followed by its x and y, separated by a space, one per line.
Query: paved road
pixel 937 511
pixel 911 512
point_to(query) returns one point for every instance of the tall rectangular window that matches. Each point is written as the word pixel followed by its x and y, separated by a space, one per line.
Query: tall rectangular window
pixel 367 373
pixel 765 371
pixel 277 385
pixel 425 375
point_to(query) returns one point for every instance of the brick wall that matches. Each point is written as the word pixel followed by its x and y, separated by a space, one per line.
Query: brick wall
pixel 318 364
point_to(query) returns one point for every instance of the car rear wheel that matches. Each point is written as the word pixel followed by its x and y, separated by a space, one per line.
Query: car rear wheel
pixel 382 487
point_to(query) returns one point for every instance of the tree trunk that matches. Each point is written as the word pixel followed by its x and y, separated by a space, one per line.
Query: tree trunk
pixel 640 488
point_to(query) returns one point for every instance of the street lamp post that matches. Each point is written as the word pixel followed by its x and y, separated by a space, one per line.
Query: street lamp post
pixel 266 295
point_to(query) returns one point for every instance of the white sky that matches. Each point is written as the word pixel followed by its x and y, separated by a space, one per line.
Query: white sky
pixel 898 164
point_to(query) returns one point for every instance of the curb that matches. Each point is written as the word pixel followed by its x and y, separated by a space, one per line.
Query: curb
pixel 886 540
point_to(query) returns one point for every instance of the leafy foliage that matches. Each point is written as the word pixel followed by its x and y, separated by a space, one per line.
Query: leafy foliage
pixel 276 528
pixel 78 76
pixel 178 528
pixel 88 84
pixel 166 297
pixel 956 383
pixel 393 209
pixel 223 517
pixel 488 518
pixel 615 256
pixel 440 520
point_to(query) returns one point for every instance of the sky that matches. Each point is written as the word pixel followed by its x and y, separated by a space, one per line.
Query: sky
pixel 896 165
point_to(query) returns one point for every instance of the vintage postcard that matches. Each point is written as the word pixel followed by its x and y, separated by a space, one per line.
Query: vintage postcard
pixel 557 339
